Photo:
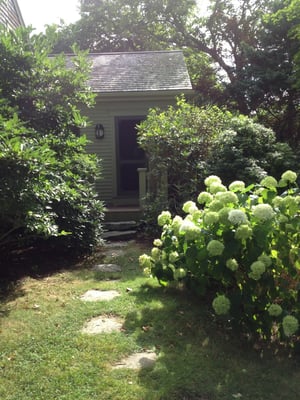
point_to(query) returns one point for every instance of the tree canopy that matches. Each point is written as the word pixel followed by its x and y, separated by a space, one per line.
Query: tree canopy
pixel 247 52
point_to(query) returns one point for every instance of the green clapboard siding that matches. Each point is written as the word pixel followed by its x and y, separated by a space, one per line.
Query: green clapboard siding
pixel 105 112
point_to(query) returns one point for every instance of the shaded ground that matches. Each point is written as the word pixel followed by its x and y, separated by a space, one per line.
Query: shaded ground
pixel 36 262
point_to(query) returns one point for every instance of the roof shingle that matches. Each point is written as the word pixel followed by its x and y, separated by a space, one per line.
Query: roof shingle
pixel 139 72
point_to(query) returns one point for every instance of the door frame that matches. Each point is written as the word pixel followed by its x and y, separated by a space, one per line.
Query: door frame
pixel 118 119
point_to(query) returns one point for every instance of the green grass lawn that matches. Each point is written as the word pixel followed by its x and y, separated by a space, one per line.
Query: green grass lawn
pixel 44 356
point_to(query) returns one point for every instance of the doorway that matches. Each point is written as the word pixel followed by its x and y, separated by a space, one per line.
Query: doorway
pixel 130 156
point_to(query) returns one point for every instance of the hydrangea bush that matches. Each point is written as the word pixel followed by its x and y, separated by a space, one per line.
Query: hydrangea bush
pixel 240 247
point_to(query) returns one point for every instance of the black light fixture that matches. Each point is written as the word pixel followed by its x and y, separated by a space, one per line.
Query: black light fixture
pixel 99 131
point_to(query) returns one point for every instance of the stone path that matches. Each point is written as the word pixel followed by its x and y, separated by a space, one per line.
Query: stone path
pixel 99 295
pixel 107 271
pixel 107 268
pixel 103 324
pixel 137 361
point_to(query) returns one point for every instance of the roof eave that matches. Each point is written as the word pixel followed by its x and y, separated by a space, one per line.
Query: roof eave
pixel 148 93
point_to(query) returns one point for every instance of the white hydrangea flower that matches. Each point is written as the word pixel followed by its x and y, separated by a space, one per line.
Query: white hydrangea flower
pixel 164 218
pixel 290 325
pixel 289 176
pixel 227 197
pixel 156 254
pixel 197 215
pixel 254 276
pixel 237 217
pixel 176 224
pixel 257 269
pixel 175 240
pixel 263 212
pixel 277 201
pixel 204 198
pixel 147 271
pixel 215 248
pixel 189 229
pixel 223 215
pixel 179 273
pixel 275 310
pixel 157 242
pixel 145 261
pixel 216 187
pixel 189 207
pixel 290 202
pixel 237 186
pixel 211 217
pixel 215 205
pixel 269 182
pixel 212 179
pixel 232 264
pixel 265 259
pixel 173 256
pixel 243 232
pixel 221 305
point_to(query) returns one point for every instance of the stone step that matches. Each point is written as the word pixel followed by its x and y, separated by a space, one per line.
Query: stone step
pixel 116 214
pixel 119 235
pixel 120 225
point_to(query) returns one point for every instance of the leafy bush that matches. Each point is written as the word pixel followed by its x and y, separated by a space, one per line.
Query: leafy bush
pixel 186 143
pixel 177 142
pixel 46 176
pixel 43 196
pixel 241 249
pixel 153 205
pixel 248 151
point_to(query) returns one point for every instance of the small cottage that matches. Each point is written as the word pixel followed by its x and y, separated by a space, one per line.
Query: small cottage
pixel 127 85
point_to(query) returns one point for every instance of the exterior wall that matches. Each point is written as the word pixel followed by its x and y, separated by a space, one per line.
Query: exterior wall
pixel 105 113
pixel 10 15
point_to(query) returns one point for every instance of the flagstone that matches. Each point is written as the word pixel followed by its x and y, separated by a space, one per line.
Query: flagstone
pixel 138 361
pixel 102 324
pixel 114 252
pixel 108 268
pixel 99 295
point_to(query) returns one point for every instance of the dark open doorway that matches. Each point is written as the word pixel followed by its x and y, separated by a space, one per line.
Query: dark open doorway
pixel 130 156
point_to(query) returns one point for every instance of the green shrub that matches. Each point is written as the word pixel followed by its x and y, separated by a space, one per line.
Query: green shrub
pixel 43 195
pixel 46 176
pixel 186 143
pixel 177 142
pixel 153 205
pixel 248 151
pixel 240 248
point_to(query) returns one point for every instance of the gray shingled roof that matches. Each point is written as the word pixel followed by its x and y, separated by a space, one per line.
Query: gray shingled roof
pixel 139 72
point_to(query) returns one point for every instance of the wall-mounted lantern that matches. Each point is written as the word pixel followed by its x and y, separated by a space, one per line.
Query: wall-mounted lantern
pixel 99 131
